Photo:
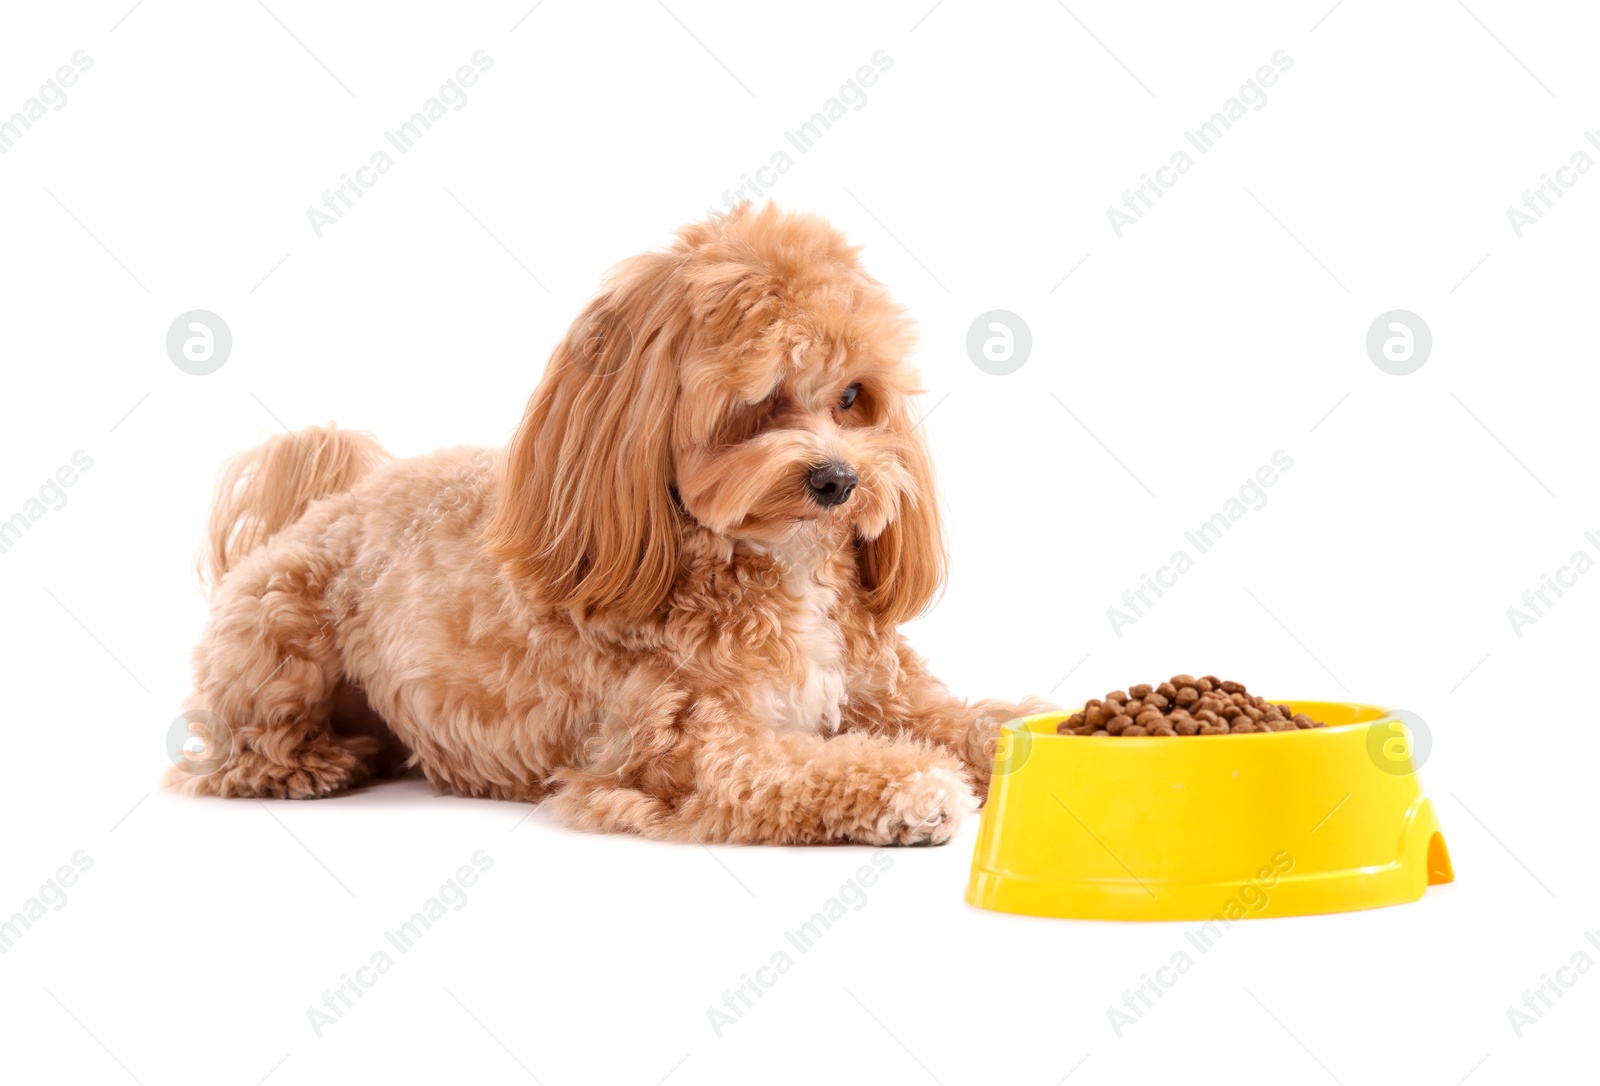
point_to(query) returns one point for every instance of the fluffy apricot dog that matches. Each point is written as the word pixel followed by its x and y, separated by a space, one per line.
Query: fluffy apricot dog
pixel 669 607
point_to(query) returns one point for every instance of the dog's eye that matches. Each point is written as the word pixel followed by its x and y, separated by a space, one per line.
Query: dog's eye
pixel 847 398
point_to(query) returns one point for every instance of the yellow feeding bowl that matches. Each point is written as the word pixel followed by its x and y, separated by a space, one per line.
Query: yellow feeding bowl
pixel 1197 828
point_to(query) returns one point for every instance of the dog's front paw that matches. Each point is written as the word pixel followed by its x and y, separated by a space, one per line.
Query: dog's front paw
pixel 984 751
pixel 925 809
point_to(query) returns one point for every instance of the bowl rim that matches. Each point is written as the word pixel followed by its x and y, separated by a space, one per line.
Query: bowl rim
pixel 1384 713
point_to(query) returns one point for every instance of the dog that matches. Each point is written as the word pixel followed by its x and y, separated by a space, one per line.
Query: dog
pixel 670 607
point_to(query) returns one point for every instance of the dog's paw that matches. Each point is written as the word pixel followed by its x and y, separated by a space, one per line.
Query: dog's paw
pixel 926 809
pixel 982 749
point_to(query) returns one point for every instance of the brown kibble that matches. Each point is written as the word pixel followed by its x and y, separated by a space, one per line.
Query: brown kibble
pixel 1184 706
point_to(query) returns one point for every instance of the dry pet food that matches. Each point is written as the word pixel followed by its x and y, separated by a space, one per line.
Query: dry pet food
pixel 1184 705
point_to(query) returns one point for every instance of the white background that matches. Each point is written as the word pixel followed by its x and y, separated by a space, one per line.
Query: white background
pixel 1225 326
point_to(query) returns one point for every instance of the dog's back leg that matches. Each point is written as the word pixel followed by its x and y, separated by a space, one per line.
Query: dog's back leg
pixel 267 672
pixel 267 677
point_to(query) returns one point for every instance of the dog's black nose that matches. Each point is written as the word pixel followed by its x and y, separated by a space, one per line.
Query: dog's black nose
pixel 832 484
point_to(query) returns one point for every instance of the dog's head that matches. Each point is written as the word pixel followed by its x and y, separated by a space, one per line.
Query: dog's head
pixel 751 379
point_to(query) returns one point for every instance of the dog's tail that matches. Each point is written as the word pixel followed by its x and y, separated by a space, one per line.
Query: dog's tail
pixel 264 489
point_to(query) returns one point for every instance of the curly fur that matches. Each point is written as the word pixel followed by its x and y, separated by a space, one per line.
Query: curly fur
pixel 638 609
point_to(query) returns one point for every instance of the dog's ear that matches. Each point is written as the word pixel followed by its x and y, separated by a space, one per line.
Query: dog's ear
pixel 903 569
pixel 586 513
